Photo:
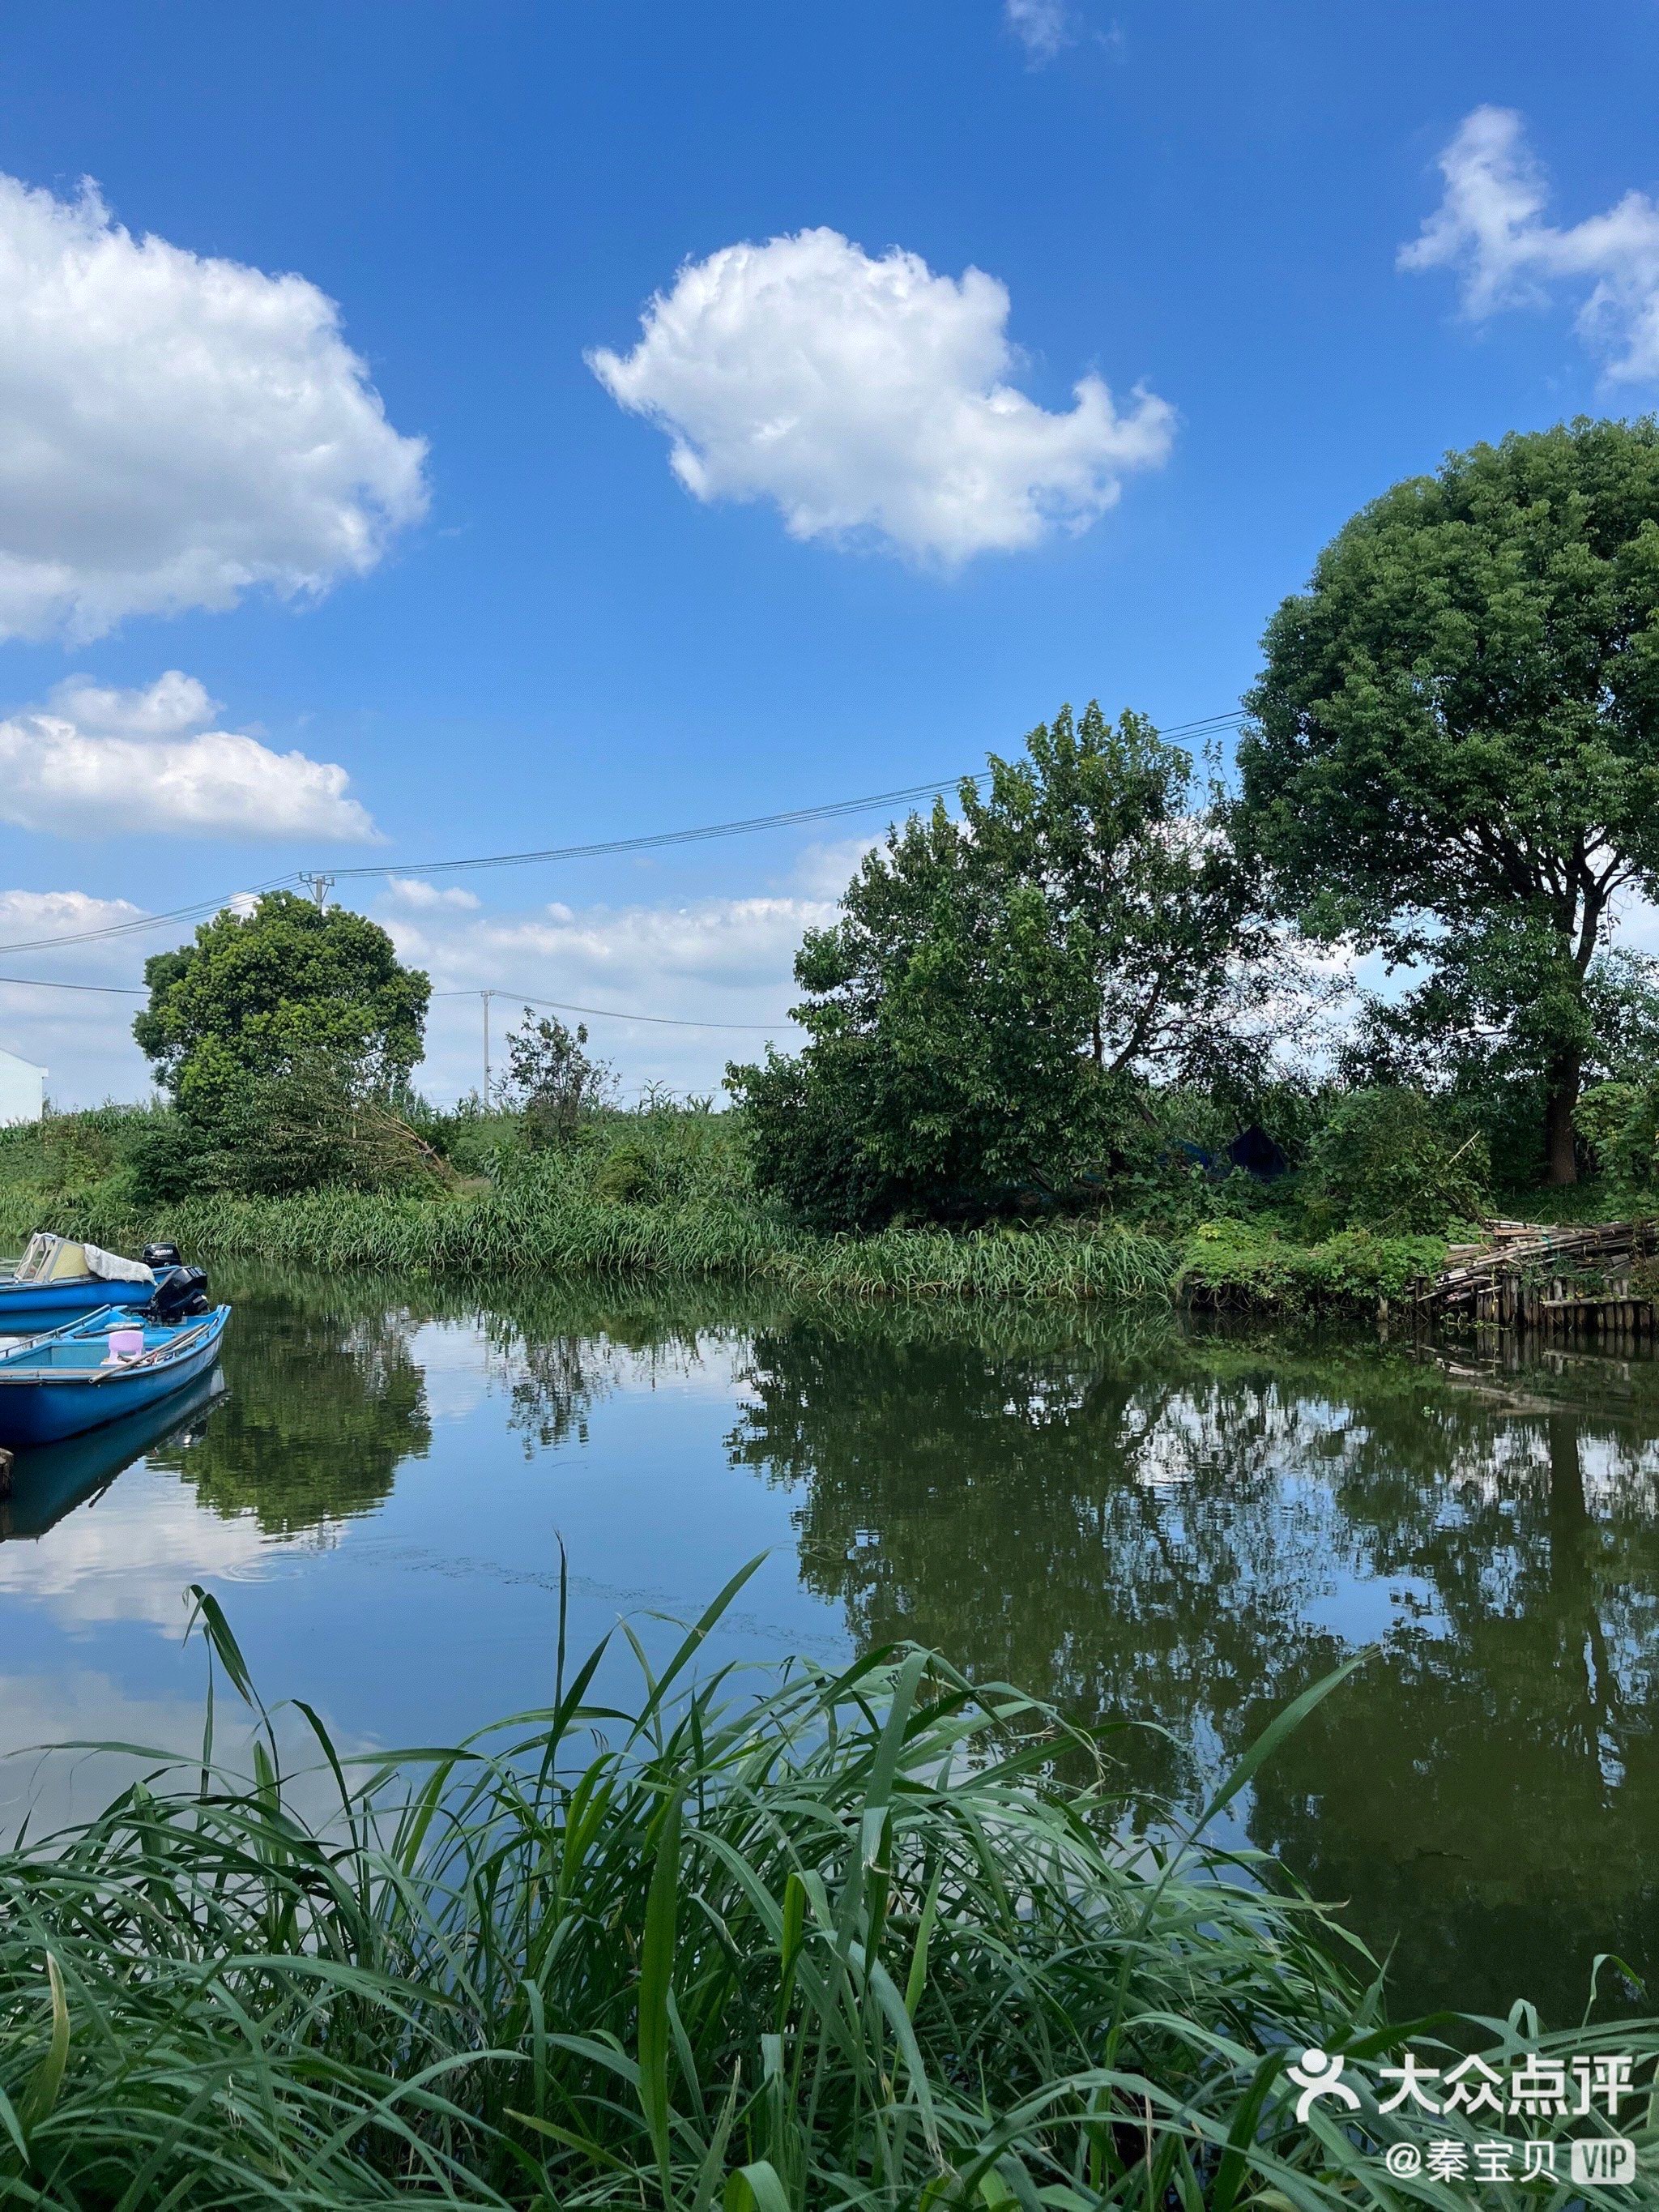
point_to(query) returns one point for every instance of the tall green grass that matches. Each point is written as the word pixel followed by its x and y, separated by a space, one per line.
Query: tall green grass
pixel 830 1940
pixel 551 1227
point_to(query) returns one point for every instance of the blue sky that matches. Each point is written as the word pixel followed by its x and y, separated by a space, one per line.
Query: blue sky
pixel 532 632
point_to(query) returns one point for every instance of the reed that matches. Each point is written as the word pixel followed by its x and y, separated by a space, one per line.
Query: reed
pixel 554 1227
pixel 821 1940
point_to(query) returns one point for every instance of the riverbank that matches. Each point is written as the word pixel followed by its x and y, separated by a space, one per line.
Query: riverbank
pixel 860 1937
pixel 548 1230
pixel 671 1196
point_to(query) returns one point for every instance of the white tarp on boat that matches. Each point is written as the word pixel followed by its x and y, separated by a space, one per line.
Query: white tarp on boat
pixel 111 1267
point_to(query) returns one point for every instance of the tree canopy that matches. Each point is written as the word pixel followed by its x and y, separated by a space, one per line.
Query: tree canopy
pixel 1453 755
pixel 992 976
pixel 258 993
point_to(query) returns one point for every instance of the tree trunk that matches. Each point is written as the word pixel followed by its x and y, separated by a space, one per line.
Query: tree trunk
pixel 1558 1133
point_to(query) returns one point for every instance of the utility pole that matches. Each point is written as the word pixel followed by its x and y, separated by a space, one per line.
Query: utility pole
pixel 320 887
pixel 486 996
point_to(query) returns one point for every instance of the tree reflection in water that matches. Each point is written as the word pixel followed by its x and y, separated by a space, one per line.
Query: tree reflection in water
pixel 1193 1529
pixel 1140 1523
pixel 325 1404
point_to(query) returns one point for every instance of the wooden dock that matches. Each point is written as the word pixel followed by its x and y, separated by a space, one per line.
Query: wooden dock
pixel 1563 1281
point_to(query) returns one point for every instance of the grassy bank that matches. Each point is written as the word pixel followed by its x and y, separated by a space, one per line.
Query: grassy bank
pixel 1247 1266
pixel 824 1941
pixel 667 1195
pixel 551 1231
pixel 670 1194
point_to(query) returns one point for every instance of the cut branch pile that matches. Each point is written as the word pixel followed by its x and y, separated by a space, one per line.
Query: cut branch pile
pixel 1537 1278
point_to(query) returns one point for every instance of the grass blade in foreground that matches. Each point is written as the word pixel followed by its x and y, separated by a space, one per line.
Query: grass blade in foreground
pixel 843 1940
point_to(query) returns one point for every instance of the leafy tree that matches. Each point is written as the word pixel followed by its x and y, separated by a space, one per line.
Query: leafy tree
pixel 551 1078
pixel 1455 752
pixel 994 982
pixel 257 993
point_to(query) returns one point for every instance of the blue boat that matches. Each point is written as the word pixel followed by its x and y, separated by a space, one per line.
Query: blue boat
pixel 111 1363
pixel 58 1280
pixel 48 1484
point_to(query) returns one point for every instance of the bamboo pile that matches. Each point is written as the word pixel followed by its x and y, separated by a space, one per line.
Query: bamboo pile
pixel 1560 1279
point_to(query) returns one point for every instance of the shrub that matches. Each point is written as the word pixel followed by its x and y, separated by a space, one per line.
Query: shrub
pixel 1238 1263
pixel 552 1080
pixel 1619 1122
pixel 1390 1159
pixel 303 1127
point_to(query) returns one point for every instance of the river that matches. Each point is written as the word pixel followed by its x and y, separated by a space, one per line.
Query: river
pixel 1139 1520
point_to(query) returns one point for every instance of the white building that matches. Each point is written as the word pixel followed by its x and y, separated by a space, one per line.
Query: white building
pixel 22 1089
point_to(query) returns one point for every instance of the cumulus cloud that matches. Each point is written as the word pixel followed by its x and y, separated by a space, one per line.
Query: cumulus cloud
pixel 1489 226
pixel 175 429
pixel 714 960
pixel 417 893
pixel 1042 27
pixel 97 760
pixel 870 398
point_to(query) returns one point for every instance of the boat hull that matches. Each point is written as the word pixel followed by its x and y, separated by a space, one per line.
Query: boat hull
pixel 26 1308
pixel 48 1484
pixel 42 1408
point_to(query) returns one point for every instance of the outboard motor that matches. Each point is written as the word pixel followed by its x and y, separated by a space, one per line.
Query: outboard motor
pixel 162 1255
pixel 180 1295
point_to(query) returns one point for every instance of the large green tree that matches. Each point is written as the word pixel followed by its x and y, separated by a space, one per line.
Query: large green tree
pixel 283 985
pixel 992 976
pixel 1453 755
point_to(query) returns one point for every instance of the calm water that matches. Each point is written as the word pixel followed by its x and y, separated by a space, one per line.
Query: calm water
pixel 1186 1528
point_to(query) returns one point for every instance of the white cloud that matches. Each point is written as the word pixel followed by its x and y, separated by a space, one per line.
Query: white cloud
pixel 824 871
pixel 1490 226
pixel 176 429
pixel 1042 27
pixel 133 762
pixel 173 703
pixel 714 961
pixel 416 892
pixel 868 397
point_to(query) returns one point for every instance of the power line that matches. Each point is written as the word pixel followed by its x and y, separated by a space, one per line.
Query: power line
pixel 611 1013
pixel 795 817
pixel 147 922
pixel 656 839
pixel 1209 726
pixel 42 983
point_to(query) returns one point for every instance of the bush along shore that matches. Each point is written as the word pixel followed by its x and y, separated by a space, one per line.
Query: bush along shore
pixel 858 1939
pixel 671 1192
pixel 667 1193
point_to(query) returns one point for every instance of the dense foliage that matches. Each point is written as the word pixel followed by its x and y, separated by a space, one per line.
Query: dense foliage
pixel 284 982
pixel 998 984
pixel 1391 1159
pixel 1455 752
pixel 285 1037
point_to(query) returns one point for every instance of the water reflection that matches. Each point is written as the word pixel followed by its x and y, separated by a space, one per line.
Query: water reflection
pixel 326 1403
pixel 1136 1521
pixel 48 1484
pixel 1193 1530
